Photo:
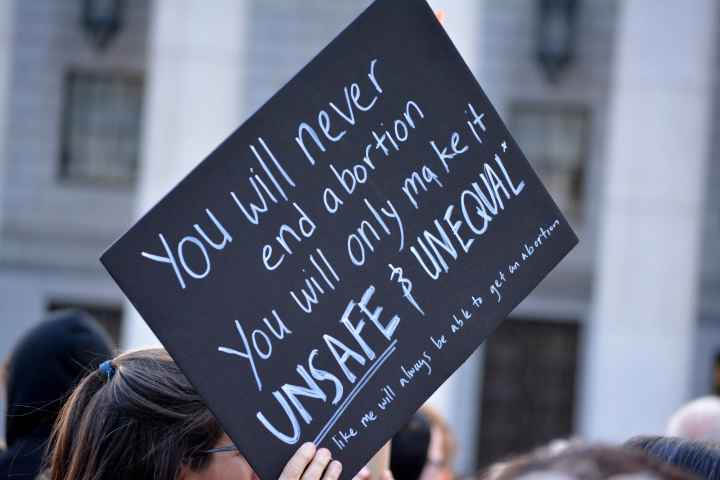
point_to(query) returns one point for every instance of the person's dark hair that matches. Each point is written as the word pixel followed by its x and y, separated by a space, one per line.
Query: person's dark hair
pixel 701 458
pixel 586 462
pixel 409 448
pixel 38 376
pixel 140 419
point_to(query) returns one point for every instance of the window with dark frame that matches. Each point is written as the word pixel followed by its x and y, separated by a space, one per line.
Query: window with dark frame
pixel 555 140
pixel 528 387
pixel 101 127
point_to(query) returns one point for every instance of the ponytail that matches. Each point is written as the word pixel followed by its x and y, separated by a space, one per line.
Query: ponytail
pixel 137 416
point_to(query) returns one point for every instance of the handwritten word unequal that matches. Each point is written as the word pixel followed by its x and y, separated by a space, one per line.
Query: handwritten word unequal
pixel 478 204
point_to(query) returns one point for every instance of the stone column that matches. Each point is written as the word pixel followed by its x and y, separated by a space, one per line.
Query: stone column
pixel 7 17
pixel 194 99
pixel 644 312
pixel 7 24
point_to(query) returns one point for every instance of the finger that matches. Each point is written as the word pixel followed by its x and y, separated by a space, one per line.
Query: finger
pixel 317 467
pixel 363 474
pixel 333 471
pixel 387 475
pixel 440 14
pixel 296 465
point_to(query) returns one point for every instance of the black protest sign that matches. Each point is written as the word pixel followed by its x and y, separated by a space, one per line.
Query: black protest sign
pixel 335 259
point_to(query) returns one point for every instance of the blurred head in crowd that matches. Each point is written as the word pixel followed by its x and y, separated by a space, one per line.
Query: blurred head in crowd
pixel 135 417
pixel 585 462
pixel 697 420
pixel 409 448
pixel 424 448
pixel 700 458
pixel 38 376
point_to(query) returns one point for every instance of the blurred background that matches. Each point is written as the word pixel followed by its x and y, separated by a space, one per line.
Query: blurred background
pixel 106 104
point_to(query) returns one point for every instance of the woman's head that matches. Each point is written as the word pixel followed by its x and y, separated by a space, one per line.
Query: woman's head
pixel 137 418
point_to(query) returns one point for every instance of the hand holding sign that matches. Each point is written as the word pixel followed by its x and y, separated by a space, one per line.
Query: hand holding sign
pixel 335 259
pixel 310 463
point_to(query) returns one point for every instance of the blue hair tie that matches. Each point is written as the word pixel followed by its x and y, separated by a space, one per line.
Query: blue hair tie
pixel 107 369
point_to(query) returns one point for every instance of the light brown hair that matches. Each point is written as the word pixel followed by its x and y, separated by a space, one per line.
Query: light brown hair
pixel 438 422
pixel 586 462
